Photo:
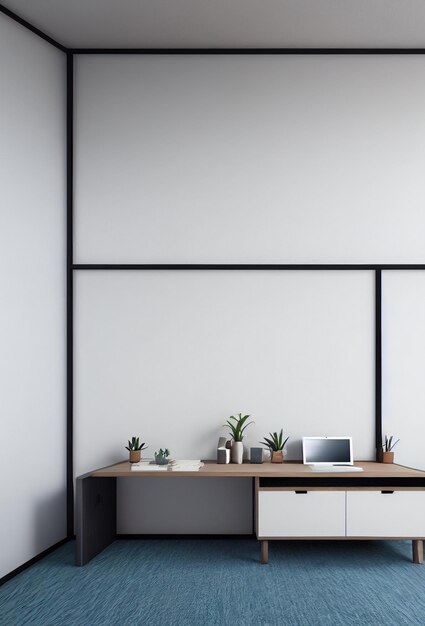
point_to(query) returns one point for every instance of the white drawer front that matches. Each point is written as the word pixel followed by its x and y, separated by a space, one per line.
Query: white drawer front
pixel 314 514
pixel 376 514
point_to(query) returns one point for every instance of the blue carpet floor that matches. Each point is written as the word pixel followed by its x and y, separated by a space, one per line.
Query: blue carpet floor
pixel 220 582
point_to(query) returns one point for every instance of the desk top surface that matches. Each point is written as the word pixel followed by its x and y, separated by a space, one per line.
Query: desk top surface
pixel 265 470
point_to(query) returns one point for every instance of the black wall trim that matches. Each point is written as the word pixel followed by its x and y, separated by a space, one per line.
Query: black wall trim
pixel 378 361
pixel 32 28
pixel 251 51
pixel 242 266
pixel 69 294
pixel 27 564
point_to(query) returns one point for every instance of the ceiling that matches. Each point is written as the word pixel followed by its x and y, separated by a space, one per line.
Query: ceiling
pixel 227 23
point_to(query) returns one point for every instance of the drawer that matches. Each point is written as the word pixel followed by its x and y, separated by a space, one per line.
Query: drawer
pixel 377 514
pixel 311 514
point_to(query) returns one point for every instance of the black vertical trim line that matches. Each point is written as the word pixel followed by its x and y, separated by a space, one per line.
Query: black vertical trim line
pixel 378 361
pixel 69 294
pixel 254 506
pixel 32 28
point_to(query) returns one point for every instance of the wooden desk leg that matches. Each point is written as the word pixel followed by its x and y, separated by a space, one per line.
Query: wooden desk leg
pixel 418 551
pixel 264 551
pixel 96 516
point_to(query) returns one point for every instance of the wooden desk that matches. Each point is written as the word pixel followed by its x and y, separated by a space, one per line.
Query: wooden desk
pixel 387 499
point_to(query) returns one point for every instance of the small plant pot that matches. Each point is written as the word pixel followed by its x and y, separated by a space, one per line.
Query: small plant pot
pixel 387 457
pixel 135 456
pixel 277 456
pixel 161 460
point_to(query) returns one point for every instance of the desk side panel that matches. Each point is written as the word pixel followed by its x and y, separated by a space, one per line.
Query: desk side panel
pixel 96 515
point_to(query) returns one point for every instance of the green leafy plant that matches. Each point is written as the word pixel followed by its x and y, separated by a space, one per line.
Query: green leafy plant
pixel 276 442
pixel 237 426
pixel 135 444
pixel 389 443
pixel 162 454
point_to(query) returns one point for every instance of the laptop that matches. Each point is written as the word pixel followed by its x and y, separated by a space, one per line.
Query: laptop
pixel 329 454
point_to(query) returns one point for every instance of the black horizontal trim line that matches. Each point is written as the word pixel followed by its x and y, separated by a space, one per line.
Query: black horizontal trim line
pixel 28 564
pixel 340 481
pixel 246 266
pixel 32 28
pixel 249 51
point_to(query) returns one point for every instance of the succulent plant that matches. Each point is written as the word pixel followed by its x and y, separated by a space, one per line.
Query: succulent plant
pixel 135 444
pixel 162 453
pixel 276 442
pixel 237 428
pixel 389 443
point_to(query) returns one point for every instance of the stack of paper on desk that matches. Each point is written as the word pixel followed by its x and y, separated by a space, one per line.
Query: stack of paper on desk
pixel 185 465
pixel 146 466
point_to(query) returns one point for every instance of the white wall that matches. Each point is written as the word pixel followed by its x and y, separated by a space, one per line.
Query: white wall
pixel 403 343
pixel 309 159
pixel 171 354
pixel 32 296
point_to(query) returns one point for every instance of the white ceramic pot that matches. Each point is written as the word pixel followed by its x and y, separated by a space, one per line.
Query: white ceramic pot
pixel 237 452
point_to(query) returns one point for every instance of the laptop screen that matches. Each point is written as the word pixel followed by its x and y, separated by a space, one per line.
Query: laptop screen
pixel 328 451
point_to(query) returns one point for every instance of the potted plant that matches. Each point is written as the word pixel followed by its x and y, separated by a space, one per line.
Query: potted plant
pixel 135 448
pixel 276 444
pixel 161 456
pixel 237 425
pixel 387 454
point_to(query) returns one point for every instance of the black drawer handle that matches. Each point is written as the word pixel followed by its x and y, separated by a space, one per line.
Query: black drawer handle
pixel 301 492
pixel 386 492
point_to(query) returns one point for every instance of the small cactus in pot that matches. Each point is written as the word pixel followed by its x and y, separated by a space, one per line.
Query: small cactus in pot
pixel 276 445
pixel 387 453
pixel 135 449
pixel 161 457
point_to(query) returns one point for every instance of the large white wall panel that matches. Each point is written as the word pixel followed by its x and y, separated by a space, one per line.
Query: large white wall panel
pixel 250 158
pixel 32 296
pixel 169 355
pixel 403 348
